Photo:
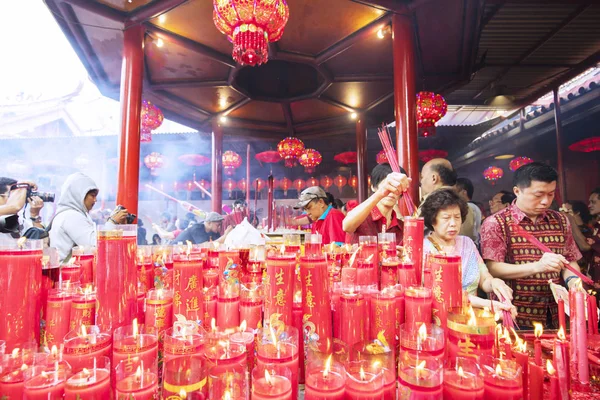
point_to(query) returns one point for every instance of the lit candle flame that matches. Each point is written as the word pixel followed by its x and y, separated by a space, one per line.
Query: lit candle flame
pixel 21 241
pixel 472 319
pixel 282 250
pixel 24 367
pixel 327 366
pixel 561 334
pixel 363 377
pixel 189 248
pixel 86 371
pixel 498 370
pixel 368 259
pixel 550 368
pixel 15 352
pixel 88 289
pixel 243 326
pixel 138 372
pixel 273 335
pixel 213 325
pixel 419 368
pixel 268 377
pixel 227 395
pixel 538 330
pixel 507 338
pixel 298 296
pixel 423 333
pixel 182 394
pixel 44 374
pixel 135 328
pixel 461 373
pixel 522 346
pixel 83 331
pixel 54 351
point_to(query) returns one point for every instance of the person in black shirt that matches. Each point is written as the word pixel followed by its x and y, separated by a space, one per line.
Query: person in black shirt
pixel 209 230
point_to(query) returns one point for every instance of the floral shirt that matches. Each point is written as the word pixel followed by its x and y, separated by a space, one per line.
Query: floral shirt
pixel 593 239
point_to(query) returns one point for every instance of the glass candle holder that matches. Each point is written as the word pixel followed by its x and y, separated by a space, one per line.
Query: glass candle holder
pixel 145 268
pixel 228 305
pixel 389 271
pixel 364 380
pixel 425 339
pixel 464 381
pixel 86 343
pixel 471 333
pixel 184 339
pixel 374 353
pixel 228 382
pixel 251 304
pixel 185 374
pixel 279 345
pixel 353 317
pixel 209 296
pixel 134 343
pixel 272 382
pixel 70 273
pixel 313 244
pixel 58 317
pixel 501 379
pixel 135 379
pixel 92 382
pixel 83 308
pixel 85 257
pixel 337 349
pixel 226 354
pixel 417 303
pixel 387 245
pixel 413 232
pixel 325 380
pixel 158 310
pixel 162 259
pixel 419 378
pixel 384 308
pixel 41 383
pixel 406 274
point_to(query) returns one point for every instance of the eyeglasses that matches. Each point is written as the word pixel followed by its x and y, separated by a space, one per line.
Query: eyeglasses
pixel 492 202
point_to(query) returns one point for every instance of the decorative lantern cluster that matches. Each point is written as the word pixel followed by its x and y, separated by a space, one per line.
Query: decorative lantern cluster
pixel 518 162
pixel 152 118
pixel 431 108
pixel 586 145
pixel 153 162
pixel 250 26
pixel 231 161
pixel 493 173
pixel 310 159
pixel 326 182
pixel 340 182
pixel 430 154
pixel 290 149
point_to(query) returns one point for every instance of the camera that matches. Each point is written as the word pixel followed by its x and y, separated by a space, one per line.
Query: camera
pixel 46 197
pixel 130 217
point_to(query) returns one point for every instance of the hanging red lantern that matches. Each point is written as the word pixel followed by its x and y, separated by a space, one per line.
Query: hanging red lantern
pixel 230 185
pixel 153 162
pixel 518 162
pixel 310 159
pixel 348 157
pixel 290 149
pixel 586 145
pixel 299 184
pixel 326 182
pixel 259 184
pixel 205 185
pixel 381 158
pixel 431 108
pixel 268 157
pixel 493 173
pixel 430 154
pixel 353 182
pixel 340 182
pixel 231 161
pixel 285 184
pixel 251 26
pixel 151 118
pixel 275 183
pixel 194 160
pixel 242 185
pixel 312 181
pixel 369 181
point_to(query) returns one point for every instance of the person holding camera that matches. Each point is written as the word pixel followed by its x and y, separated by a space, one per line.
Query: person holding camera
pixel 14 196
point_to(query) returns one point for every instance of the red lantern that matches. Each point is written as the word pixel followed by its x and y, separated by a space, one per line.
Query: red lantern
pixel 353 182
pixel 259 184
pixel 369 180
pixel 205 185
pixel 285 184
pixel 269 157
pixel 430 154
pixel 431 108
pixel 312 181
pixel 381 158
pixel 310 159
pixel 348 157
pixel 194 160
pixel 250 26
pixel 242 185
pixel 230 185
pixel 518 162
pixel 299 184
pixel 493 173
pixel 326 182
pixel 153 162
pixel 231 161
pixel 275 183
pixel 586 145
pixel 340 182
pixel 290 149
pixel 152 118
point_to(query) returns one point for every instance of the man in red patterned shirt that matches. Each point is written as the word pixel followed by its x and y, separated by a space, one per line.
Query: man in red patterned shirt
pixel 511 256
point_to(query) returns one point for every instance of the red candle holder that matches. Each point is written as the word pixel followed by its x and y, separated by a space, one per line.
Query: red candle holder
pixel 13 367
pixel 246 337
pixel 387 245
pixel 501 379
pixel 85 257
pixel 279 345
pixel 279 285
pixel 188 283
pixel 364 381
pixel 317 319
pixel 185 374
pixel 184 339
pixel 428 340
pixel 471 333
pixel 389 272
pixel 228 258
pixel 337 349
pixel 375 353
pixel 272 382
pixel 228 305
pixel 58 317
pixel 334 265
pixel 209 296
pixel 20 291
pixel 464 381
pixel 159 310
pixel 406 274
pixel 116 277
pixel 447 285
pixel 93 382
pixel 162 260
pixel 366 272
pixel 313 244
pixel 353 318
pixel 412 242
pixel 86 343
pixel 420 378
pixel 383 316
pixel 325 381
pixel 70 273
pixel 251 304
pixel 418 303
pixel 83 309
pixel 41 384
pixel 135 379
pixel 145 268
pixel 132 343
pixel 226 354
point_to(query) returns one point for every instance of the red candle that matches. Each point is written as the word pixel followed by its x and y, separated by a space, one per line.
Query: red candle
pixel 140 386
pixel 389 272
pixel 313 245
pixel 383 316
pixel 245 337
pixel 86 343
pixel 464 381
pixel 70 273
pixel 423 339
pixel 184 339
pixel 279 283
pixel 83 309
pixel 187 284
pixel 131 343
pixel 20 291
pixel 522 359
pixel 554 387
pixel 561 315
pixel 58 316
pixel 251 303
pixel 353 314
pixel 85 257
pixel 141 302
pixel 193 383
pixel 412 241
pixel 592 308
pixel 418 305
pixel 537 344
pixel 228 305
pixel 387 245
pixel 145 268
pixel 561 363
pixel 406 274
pixel 45 386
pixel 378 353
pixel 502 380
pixel 325 382
pixel 579 334
pixel 471 333
pixel 92 383
pixel 447 285
pixel 536 381
pixel 209 296
pixel 228 258
pixel 315 298
pixel 116 277
pixel 12 382
pixel 363 381
pixel 159 311
pixel 272 384
pixel 279 345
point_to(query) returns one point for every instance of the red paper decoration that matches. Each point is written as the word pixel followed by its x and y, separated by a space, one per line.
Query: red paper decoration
pixel 242 185
pixel 194 160
pixel 493 173
pixel 250 26
pixel 259 184
pixel 586 145
pixel 326 182
pixel 430 154
pixel 518 162
pixel 231 161
pixel 299 184
pixel 353 182
pixel 153 162
pixel 340 182
pixel 285 184
pixel 290 149
pixel 310 159
pixel 152 118
pixel 269 157
pixel 312 181
pixel 348 157
pixel 431 108
pixel 230 185
pixel 381 158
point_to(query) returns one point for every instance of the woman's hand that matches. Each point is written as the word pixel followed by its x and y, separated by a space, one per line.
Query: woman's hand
pixel 501 289
pixel 507 306
pixel 395 182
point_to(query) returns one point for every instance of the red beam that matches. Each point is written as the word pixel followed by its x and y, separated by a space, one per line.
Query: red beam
pixel 153 10
pixel 217 168
pixel 131 105
pixel 361 158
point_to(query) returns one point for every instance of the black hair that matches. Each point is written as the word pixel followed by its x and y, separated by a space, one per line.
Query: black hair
pixel 439 200
pixel 380 172
pixel 447 175
pixel 535 171
pixel 507 197
pixel 156 238
pixel 338 204
pixel 5 182
pixel 466 184
pixel 329 199
pixel 579 207
pixel 596 192
pixel 239 202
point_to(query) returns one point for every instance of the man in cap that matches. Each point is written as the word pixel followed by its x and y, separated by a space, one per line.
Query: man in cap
pixel 327 221
pixel 209 230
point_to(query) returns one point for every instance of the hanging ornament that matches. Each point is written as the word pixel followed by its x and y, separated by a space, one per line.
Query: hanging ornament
pixel 381 158
pixel 312 181
pixel 493 173
pixel 242 184
pixel 430 154
pixel 153 162
pixel 340 182
pixel 194 160
pixel 231 161
pixel 299 184
pixel 151 118
pixel 290 149
pixel 230 185
pixel 259 184
pixel 285 184
pixel 353 182
pixel 369 180
pixel 251 26
pixel 326 182
pixel 310 159
pixel 348 157
pixel 431 108
pixel 268 157
pixel 518 162
pixel 586 145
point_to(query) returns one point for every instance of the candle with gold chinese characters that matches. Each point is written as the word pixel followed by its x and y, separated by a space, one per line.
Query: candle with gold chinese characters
pixel 364 381
pixel 501 379
pixel 209 296
pixel 92 382
pixel 86 343
pixel 136 381
pixel 145 268
pixel 58 316
pixel 278 344
pixel 188 283
pixel 383 316
pixel 83 309
pixel 353 318
pixel 406 273
pixel 325 381
pixel 271 382
pixel 159 310
pixel 417 305
pixel 251 304
pixel 192 384
pixel 463 381
pixel 245 336
pixel 279 284
pixel 447 291
pixel 185 338
pixel 420 378
pixel 413 232
pixel 471 333
pixel 228 304
pixel 133 343
pixel 85 257
pixel 377 352
pixel 424 339
pixel 317 306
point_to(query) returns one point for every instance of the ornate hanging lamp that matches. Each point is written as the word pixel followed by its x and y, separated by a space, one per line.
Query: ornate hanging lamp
pixel 431 108
pixel 326 182
pixel 348 157
pixel 285 184
pixel 310 159
pixel 299 184
pixel 290 149
pixel 152 118
pixel 251 26
pixel 340 182
pixel 312 181
pixel 231 161
pixel 518 162
pixel 153 162
pixel 268 157
pixel 493 173
pixel 353 182
pixel 586 145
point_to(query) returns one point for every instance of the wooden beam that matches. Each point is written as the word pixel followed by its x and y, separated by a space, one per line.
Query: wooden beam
pixel 333 120
pixel 486 19
pixel 385 5
pixel 152 10
pixel 231 109
pixel 337 103
pixel 363 78
pixel 513 65
pixel 380 100
pixel 287 113
pixel 182 102
pixel 187 83
pixel 98 9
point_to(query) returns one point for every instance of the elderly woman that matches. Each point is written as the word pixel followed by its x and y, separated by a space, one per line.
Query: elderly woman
pixel 444 212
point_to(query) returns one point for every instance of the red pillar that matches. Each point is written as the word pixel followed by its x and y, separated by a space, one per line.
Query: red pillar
pixel 361 158
pixel 405 98
pixel 562 184
pixel 217 167
pixel 131 104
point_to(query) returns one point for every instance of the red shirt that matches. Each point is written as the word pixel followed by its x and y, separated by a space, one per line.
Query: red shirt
pixel 374 225
pixel 593 239
pixel 329 225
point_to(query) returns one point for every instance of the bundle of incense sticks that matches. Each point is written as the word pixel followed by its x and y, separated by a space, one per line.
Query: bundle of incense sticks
pixel 392 157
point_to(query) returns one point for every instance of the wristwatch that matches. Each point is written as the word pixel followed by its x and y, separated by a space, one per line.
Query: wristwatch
pixel 37 219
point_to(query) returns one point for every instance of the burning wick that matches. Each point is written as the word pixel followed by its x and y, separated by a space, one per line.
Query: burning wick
pixel 422 336
pixel 268 378
pixel 539 330
pixel 472 319
pixel 550 368
pixel 498 370
pixel 21 242
pixel 461 374
pixel 419 369
pixel 561 334
pixel 363 376
pixel 327 367
pixel 135 328
pixel 243 326
pixel 183 394
pixel 213 325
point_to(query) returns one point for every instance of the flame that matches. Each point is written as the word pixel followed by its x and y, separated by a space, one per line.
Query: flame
pixel 24 367
pixel 461 373
pixel 423 333
pixel 44 374
pixel 368 259
pixel 550 368
pixel 517 338
pixel 472 319
pixel 83 330
pixel 282 250
pixel 419 368
pixel 21 241
pixel 521 346
pixel 243 326
pixel 227 395
pixel 486 313
pixel 298 296
pixel 189 248
pixel 327 366
pixel 135 328
pixel 362 374
pixel 213 325
pixel 539 330
pixel 561 334
pixel 86 371
pixel 498 370
pixel 138 372
pixel 507 337
pixel 88 289
pixel 54 351
pixel 268 377
pixel 15 352
pixel 183 393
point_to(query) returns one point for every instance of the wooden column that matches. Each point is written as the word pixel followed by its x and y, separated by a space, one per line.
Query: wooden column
pixel 405 98
pixel 217 167
pixel 562 184
pixel 361 158
pixel 132 73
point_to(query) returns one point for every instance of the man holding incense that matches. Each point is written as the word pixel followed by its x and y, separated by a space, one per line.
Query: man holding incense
pixel 508 245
